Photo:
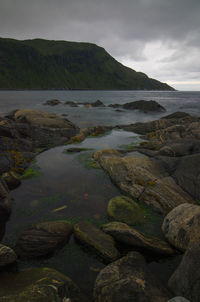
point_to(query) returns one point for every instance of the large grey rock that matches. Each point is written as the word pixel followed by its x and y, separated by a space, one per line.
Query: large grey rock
pixel 96 240
pixel 7 255
pixel 145 106
pixel 182 225
pixel 178 299
pixel 39 285
pixel 43 239
pixel 130 236
pixel 128 279
pixel 144 179
pixel 186 279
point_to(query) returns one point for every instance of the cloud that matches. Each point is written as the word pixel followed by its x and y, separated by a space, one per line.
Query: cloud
pixel 161 38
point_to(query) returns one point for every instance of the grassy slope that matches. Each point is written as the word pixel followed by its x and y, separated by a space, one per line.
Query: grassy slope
pixel 40 64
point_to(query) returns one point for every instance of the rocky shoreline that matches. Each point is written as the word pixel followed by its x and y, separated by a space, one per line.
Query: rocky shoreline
pixel 165 180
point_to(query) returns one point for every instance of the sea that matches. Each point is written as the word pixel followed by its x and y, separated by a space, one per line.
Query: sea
pixel 68 187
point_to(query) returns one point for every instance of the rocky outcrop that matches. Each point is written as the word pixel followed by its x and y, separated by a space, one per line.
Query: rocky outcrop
pixel 125 209
pixel 128 279
pixel 186 279
pixel 7 255
pixel 96 240
pixel 39 285
pixel 125 234
pixel 144 179
pixel 145 106
pixel 43 239
pixel 182 225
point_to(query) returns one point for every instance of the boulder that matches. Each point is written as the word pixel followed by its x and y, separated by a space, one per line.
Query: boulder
pixel 182 225
pixel 98 103
pixel 185 281
pixel 129 279
pixel 53 102
pixel 96 240
pixel 178 299
pixel 43 239
pixel 7 255
pixel 71 104
pixel 39 285
pixel 12 180
pixel 145 106
pixel 125 209
pixel 144 179
pixel 125 234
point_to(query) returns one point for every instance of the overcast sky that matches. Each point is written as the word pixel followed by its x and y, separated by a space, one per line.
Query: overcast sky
pixel 158 37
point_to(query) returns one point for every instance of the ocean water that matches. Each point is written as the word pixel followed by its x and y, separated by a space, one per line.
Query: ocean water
pixel 67 188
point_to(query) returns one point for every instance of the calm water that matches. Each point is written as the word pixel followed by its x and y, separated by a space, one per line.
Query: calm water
pixel 67 181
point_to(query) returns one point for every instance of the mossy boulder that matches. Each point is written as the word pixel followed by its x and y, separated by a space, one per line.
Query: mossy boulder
pixel 39 285
pixel 125 209
pixel 96 240
pixel 12 179
pixel 7 255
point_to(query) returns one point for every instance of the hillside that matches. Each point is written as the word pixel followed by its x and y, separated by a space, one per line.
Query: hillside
pixel 44 64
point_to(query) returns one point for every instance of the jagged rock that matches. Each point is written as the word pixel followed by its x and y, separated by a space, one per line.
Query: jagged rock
pixel 53 102
pixel 7 255
pixel 43 239
pixel 145 106
pixel 96 240
pixel 185 281
pixel 125 234
pixel 128 279
pixel 39 285
pixel 182 225
pixel 144 179
pixel 124 209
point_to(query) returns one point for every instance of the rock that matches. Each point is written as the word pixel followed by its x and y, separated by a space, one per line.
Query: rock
pixel 53 102
pixel 182 225
pixel 125 234
pixel 178 299
pixel 39 285
pixel 12 180
pixel 125 209
pixel 185 281
pixel 71 104
pixel 77 150
pixel 98 103
pixel 145 106
pixel 128 279
pixel 43 239
pixel 7 255
pixel 96 240
pixel 41 119
pixel 115 106
pixel 144 179
pixel 177 115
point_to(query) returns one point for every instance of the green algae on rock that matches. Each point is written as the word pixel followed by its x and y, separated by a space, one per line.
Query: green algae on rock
pixel 125 209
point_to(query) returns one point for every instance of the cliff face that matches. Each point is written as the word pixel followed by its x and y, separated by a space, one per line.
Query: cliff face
pixel 44 64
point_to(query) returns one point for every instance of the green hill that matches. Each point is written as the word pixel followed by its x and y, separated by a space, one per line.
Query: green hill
pixel 44 64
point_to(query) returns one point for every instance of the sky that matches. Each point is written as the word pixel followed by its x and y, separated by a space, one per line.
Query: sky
pixel 158 37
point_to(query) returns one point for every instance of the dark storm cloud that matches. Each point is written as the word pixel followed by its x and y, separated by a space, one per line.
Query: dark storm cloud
pixel 130 30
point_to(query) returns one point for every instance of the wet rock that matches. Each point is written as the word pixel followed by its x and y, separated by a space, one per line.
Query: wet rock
pixel 186 279
pixel 145 106
pixel 178 299
pixel 182 225
pixel 12 179
pixel 177 115
pixel 53 102
pixel 125 234
pixel 77 150
pixel 7 255
pixel 144 179
pixel 115 106
pixel 96 240
pixel 125 209
pixel 71 104
pixel 128 279
pixel 98 103
pixel 43 239
pixel 39 285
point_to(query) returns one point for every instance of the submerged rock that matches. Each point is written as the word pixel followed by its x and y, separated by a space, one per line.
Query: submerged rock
pixel 52 102
pixel 7 255
pixel 182 225
pixel 96 240
pixel 130 236
pixel 43 239
pixel 39 285
pixel 125 209
pixel 71 104
pixel 185 281
pixel 128 279
pixel 145 106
